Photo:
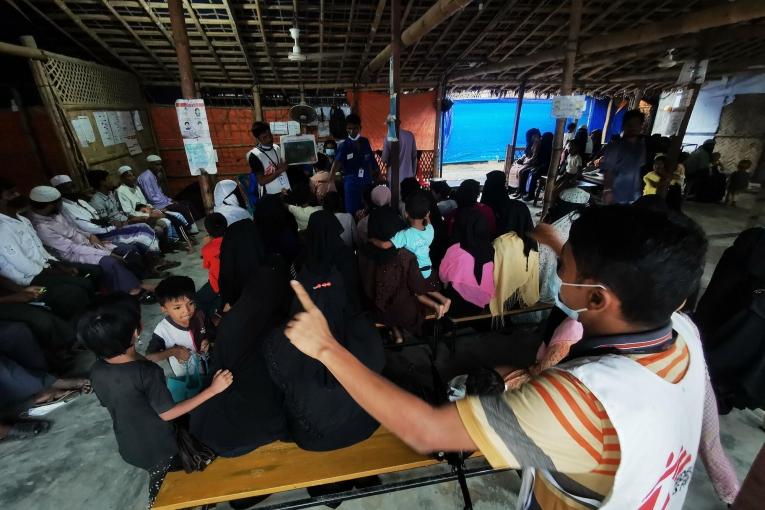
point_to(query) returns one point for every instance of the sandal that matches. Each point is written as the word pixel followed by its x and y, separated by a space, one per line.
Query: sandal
pixel 27 429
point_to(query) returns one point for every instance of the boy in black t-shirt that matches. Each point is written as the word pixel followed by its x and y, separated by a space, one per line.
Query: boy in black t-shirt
pixel 135 392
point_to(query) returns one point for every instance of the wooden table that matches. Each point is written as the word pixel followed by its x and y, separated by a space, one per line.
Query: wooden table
pixel 280 467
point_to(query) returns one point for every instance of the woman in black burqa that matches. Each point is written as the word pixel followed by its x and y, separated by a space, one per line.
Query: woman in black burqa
pixel 321 415
pixel 511 215
pixel 251 413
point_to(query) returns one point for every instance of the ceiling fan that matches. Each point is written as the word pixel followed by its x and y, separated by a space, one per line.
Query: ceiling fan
pixel 296 55
pixel 668 61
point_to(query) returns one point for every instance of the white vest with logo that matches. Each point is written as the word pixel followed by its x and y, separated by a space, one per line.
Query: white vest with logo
pixel 658 424
pixel 269 160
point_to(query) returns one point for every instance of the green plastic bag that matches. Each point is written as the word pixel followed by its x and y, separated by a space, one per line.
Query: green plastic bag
pixel 185 387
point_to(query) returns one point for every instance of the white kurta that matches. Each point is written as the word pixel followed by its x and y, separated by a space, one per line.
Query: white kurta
pixel 22 255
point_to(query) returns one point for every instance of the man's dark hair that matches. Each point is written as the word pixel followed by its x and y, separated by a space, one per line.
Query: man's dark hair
pixel 140 206
pixel 633 114
pixel 441 187
pixel 108 329
pixel 258 128
pixel 96 177
pixel 571 126
pixel 215 224
pixel 418 204
pixel 332 202
pixel 353 119
pixel 468 192
pixel 652 260
pixel 174 287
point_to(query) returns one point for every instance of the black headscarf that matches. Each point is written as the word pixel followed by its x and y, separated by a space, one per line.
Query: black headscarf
pixel 250 413
pixel 383 224
pixel 529 150
pixel 409 186
pixel 320 414
pixel 323 244
pixel 467 194
pixel 495 192
pixel 241 253
pixel 471 230
pixel 545 151
pixel 278 227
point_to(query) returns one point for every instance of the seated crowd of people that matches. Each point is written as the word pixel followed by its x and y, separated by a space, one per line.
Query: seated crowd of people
pixel 72 263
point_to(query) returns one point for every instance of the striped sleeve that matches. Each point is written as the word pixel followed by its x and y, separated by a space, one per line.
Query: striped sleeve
pixel 554 422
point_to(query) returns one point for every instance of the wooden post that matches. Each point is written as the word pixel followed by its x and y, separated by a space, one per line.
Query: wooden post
pixel 49 101
pixel 673 154
pixel 510 157
pixel 635 99
pixel 186 70
pixel 256 104
pixel 26 126
pixel 395 69
pixel 438 138
pixel 604 134
pixel 575 23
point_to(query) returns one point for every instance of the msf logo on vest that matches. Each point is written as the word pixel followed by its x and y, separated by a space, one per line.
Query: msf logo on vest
pixel 676 476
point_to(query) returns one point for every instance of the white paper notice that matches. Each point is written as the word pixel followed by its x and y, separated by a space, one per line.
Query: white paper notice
pixel 568 106
pixel 126 121
pixel 293 128
pixel 279 128
pixel 133 146
pixel 323 129
pixel 192 121
pixel 137 120
pixel 104 128
pixel 116 126
pixel 84 130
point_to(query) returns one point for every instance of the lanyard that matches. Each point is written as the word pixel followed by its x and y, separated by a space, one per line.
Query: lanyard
pixel 278 159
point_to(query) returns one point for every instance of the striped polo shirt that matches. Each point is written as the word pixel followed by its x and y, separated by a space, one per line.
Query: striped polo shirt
pixel 555 423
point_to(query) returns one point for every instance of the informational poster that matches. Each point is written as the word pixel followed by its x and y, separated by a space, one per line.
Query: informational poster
pixel 133 146
pixel 104 128
pixel 565 107
pixel 84 130
pixel 323 129
pixel 126 123
pixel 195 131
pixel 279 128
pixel 137 120
pixel 115 124
pixel 293 128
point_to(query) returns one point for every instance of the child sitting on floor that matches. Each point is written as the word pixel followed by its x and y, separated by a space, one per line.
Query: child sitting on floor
pixel 135 393
pixel 182 332
pixel 417 239
pixel 738 181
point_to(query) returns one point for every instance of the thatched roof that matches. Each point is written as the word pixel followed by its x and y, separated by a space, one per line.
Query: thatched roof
pixel 235 43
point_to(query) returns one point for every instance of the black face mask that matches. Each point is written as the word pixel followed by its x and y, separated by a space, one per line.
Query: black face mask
pixel 18 203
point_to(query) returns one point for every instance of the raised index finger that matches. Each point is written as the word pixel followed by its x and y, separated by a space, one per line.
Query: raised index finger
pixel 303 297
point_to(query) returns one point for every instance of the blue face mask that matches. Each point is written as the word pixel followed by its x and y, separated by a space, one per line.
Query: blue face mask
pixel 329 152
pixel 570 312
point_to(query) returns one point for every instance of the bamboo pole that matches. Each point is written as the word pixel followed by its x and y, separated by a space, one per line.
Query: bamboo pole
pixel 607 122
pixel 49 101
pixel 26 126
pixel 256 103
pixel 438 135
pixel 395 69
pixel 511 148
pixel 575 23
pixel 135 36
pixel 721 15
pixel 675 147
pixel 264 40
pixel 372 35
pixel 434 16
pixel 185 69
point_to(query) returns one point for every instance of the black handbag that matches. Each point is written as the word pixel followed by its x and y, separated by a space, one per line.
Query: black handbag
pixel 193 454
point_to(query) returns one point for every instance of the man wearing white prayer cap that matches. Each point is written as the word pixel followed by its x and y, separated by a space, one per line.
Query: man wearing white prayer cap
pixel 58 180
pixel 78 247
pixel 157 197
pixel 86 218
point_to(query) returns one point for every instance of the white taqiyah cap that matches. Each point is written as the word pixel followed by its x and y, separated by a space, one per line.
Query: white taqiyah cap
pixel 58 180
pixel 123 169
pixel 153 158
pixel 44 194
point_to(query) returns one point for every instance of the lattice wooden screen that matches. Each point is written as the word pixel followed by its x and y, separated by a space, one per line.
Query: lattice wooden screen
pixel 425 168
pixel 76 82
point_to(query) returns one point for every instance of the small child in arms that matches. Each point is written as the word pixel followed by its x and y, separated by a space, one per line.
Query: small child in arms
pixel 417 239
pixel 182 331
pixel 134 390
pixel 566 334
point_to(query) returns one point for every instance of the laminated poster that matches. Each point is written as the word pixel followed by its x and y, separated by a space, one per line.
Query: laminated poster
pixel 195 131
pixel 104 128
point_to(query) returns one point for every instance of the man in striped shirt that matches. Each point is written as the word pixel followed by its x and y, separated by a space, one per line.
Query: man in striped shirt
pixel 624 271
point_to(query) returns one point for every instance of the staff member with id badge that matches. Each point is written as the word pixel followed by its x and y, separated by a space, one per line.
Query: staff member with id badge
pixel 266 162
pixel 355 156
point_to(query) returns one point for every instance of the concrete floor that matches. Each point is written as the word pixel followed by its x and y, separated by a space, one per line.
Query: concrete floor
pixel 76 465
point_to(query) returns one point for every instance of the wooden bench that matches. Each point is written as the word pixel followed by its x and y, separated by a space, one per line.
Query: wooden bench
pixel 280 467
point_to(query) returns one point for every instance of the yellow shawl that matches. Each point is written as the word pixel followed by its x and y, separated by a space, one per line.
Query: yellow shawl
pixel 516 278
